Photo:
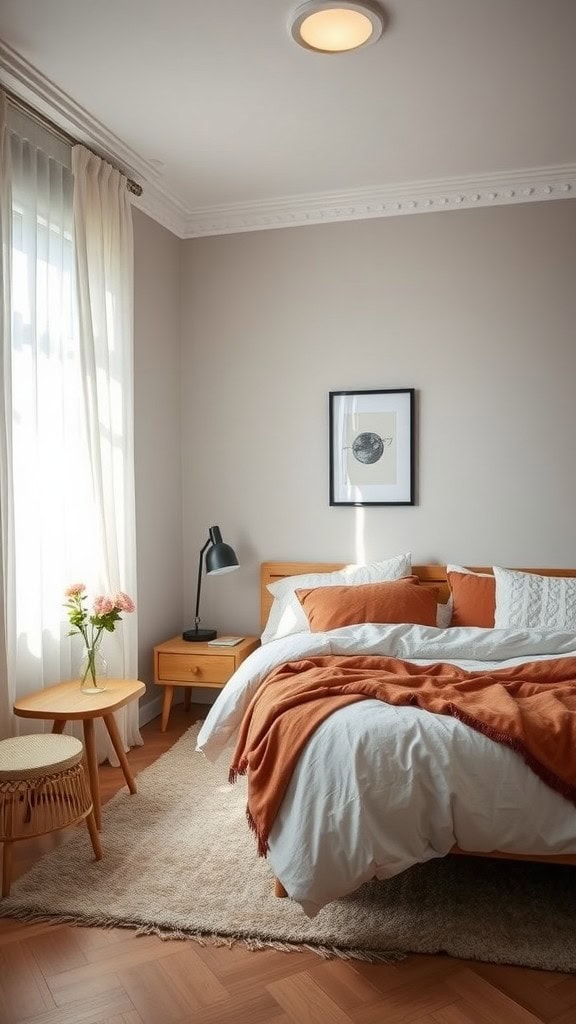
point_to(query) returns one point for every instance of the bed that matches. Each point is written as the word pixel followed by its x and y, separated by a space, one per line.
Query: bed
pixel 377 787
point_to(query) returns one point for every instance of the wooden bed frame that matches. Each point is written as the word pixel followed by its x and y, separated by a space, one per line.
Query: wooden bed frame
pixel 429 575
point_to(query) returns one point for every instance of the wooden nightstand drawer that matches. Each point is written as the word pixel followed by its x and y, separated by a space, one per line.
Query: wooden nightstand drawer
pixel 179 662
pixel 196 668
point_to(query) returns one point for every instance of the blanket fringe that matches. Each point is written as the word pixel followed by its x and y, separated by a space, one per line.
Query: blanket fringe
pixel 250 942
pixel 260 836
pixel 262 839
pixel 235 770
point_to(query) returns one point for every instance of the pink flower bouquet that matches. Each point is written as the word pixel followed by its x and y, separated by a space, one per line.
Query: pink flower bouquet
pixel 106 612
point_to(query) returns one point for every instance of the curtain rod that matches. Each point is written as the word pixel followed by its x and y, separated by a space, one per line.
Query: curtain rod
pixel 60 133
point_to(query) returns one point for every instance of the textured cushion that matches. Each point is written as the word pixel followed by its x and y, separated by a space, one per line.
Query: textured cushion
pixel 287 616
pixel 38 754
pixel 530 601
pixel 473 597
pixel 399 601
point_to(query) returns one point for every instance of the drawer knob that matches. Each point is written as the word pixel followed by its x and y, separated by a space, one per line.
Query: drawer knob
pixel 193 669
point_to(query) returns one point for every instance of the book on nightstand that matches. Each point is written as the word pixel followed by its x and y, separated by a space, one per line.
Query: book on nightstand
pixel 225 641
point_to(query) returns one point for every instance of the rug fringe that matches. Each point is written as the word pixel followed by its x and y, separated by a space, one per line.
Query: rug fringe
pixel 206 938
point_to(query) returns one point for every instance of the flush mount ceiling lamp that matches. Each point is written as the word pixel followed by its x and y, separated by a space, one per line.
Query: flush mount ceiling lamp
pixel 335 26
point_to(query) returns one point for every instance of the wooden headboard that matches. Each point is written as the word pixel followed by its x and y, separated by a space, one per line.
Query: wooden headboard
pixel 429 575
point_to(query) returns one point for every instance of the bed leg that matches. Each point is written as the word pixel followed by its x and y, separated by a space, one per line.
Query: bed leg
pixel 279 890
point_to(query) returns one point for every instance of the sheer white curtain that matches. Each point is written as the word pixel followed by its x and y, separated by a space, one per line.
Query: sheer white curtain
pixel 41 422
pixel 105 288
pixel 56 522
pixel 5 405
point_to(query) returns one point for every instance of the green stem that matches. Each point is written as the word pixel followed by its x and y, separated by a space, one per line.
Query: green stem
pixel 90 667
pixel 91 650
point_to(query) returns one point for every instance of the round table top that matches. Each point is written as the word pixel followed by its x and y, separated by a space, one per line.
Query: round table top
pixel 66 700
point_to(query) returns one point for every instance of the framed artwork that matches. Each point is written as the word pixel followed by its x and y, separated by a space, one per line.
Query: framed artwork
pixel 372 447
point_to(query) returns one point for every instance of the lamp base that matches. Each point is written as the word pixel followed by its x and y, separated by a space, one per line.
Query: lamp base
pixel 199 635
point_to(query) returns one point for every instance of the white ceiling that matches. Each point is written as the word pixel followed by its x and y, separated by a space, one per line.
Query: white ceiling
pixel 459 101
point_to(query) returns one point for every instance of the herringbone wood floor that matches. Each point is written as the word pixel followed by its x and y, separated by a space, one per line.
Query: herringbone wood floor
pixel 69 975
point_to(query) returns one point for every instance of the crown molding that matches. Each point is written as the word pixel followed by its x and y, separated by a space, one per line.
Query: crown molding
pixel 440 195
pixel 159 203
pixel 161 208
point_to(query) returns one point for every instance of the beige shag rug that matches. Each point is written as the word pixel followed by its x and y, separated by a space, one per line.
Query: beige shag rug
pixel 180 861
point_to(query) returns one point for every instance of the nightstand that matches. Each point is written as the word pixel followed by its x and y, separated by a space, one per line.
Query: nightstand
pixel 180 663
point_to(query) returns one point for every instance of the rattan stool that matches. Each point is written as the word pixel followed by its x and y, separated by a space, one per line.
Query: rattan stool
pixel 42 788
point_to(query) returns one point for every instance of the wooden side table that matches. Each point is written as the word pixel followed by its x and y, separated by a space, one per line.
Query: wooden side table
pixel 180 663
pixel 66 703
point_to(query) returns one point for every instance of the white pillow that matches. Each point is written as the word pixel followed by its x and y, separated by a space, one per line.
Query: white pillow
pixel 444 614
pixel 287 615
pixel 530 601
pixel 467 572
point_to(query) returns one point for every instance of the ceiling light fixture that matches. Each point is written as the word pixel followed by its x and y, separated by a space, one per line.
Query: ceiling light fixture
pixel 334 26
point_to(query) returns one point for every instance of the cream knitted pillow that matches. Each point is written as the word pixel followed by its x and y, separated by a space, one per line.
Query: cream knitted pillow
pixel 527 600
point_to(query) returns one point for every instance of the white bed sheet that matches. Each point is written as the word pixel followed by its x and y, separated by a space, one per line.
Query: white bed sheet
pixel 396 786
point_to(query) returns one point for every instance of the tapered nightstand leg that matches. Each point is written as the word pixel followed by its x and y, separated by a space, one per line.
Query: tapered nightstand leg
pixel 166 705
pixel 58 726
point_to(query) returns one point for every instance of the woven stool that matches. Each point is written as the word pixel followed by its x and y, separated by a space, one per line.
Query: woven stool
pixel 42 788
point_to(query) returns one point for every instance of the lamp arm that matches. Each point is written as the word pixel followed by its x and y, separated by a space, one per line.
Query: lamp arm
pixel 197 617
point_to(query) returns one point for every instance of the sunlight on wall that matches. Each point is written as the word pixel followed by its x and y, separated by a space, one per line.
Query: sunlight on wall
pixel 359 540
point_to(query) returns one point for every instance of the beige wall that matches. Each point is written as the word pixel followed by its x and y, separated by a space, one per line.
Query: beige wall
pixel 476 309
pixel 157 438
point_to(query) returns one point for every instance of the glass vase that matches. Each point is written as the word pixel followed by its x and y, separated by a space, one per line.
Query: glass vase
pixel 93 671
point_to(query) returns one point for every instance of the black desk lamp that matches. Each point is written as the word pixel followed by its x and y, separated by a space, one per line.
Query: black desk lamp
pixel 219 558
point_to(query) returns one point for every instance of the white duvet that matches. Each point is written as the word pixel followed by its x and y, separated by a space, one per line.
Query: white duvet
pixel 380 788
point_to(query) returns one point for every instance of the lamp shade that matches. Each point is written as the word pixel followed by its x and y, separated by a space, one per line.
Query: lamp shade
pixel 220 557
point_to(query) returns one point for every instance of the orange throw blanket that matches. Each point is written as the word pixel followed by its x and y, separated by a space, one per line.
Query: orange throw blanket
pixel 530 708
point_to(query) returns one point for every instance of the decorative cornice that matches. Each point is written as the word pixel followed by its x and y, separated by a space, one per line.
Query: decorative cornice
pixel 522 186
pixel 160 208
pixel 392 201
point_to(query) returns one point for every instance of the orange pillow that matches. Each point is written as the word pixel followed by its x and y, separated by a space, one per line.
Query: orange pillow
pixel 473 599
pixel 396 601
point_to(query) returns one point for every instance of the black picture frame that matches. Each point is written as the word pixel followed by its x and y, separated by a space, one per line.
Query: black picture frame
pixel 372 447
